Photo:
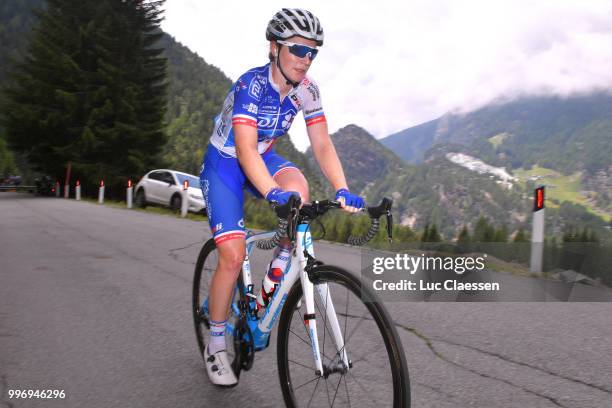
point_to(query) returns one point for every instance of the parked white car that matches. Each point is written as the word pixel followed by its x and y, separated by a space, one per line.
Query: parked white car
pixel 165 187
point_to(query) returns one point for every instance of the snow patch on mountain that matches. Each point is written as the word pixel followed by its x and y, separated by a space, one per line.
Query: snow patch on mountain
pixel 474 164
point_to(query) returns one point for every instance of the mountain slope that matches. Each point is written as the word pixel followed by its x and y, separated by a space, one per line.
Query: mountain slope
pixel 363 158
pixel 565 134
pixel 571 136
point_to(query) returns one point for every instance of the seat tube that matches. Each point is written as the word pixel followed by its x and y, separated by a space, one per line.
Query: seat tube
pixel 304 242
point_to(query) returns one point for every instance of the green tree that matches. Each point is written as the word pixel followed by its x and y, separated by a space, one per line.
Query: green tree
pixel 520 236
pixel 91 91
pixel 434 235
pixel 482 231
pixel 464 240
pixel 501 234
pixel 7 162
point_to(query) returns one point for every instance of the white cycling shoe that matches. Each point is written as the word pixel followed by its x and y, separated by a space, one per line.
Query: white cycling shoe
pixel 219 369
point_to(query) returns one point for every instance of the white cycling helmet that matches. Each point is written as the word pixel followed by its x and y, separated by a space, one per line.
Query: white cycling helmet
pixel 295 22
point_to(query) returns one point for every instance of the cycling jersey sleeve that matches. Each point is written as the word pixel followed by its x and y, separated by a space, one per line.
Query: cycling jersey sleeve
pixel 247 94
pixel 311 102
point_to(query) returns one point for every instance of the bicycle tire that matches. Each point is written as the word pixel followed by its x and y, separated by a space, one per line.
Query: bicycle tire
pixel 199 292
pixel 204 269
pixel 287 355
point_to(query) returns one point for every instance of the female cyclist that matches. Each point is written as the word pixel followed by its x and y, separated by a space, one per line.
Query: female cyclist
pixel 259 108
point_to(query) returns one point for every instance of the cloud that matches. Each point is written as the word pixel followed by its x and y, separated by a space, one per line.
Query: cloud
pixel 389 65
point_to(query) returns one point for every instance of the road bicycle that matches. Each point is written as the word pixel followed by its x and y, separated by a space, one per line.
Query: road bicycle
pixel 340 352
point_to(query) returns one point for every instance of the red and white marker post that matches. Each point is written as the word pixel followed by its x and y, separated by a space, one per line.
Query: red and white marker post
pixel 537 232
pixel 101 193
pixel 130 194
pixel 185 200
pixel 77 190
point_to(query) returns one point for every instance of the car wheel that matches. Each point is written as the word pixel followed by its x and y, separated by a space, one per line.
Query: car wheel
pixel 175 202
pixel 141 198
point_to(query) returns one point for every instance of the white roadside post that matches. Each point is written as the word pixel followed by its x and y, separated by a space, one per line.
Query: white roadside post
pixel 57 188
pixel 66 190
pixel 130 193
pixel 101 193
pixel 537 232
pixel 185 200
pixel 77 190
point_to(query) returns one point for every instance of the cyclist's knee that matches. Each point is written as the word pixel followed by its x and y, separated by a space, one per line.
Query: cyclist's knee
pixel 231 255
pixel 293 180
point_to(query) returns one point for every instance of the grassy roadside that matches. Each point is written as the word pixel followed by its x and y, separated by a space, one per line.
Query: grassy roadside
pixel 153 209
pixel 148 209
pixel 560 187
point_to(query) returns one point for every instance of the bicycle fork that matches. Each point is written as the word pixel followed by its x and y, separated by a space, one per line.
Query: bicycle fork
pixel 304 243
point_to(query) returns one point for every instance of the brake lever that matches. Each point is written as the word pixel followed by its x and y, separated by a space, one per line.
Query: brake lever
pixel 390 226
pixel 289 211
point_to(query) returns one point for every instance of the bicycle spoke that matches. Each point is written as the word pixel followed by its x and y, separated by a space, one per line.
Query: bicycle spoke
pixel 348 398
pixel 363 388
pixel 300 364
pixel 327 326
pixel 324 328
pixel 346 340
pixel 313 392
pixel 307 342
pixel 308 382
pixel 327 390
pixel 336 393
pixel 363 356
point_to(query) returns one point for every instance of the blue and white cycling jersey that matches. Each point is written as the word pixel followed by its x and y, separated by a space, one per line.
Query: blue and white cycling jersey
pixel 254 100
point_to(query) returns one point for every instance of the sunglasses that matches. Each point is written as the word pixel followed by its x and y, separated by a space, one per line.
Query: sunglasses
pixel 300 50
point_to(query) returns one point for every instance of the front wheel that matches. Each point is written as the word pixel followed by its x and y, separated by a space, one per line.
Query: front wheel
pixel 377 374
pixel 141 198
pixel 176 202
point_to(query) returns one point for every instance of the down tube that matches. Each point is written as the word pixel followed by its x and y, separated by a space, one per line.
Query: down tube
pixel 267 322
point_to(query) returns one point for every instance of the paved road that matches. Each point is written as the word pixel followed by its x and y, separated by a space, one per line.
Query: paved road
pixel 96 301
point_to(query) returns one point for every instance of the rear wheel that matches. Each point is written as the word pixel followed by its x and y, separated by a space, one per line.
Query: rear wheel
pixel 377 374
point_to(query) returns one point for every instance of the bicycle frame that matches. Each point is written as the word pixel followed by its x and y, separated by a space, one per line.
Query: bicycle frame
pixel 262 327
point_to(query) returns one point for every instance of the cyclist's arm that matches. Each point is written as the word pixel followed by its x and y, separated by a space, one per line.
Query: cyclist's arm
pixel 253 165
pixel 325 154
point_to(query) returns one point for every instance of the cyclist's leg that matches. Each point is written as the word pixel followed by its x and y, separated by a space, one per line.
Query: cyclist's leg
pixel 222 184
pixel 231 256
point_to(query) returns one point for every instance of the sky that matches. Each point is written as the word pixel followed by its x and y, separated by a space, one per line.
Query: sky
pixel 389 65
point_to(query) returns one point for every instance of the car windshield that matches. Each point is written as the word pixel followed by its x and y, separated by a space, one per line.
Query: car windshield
pixel 193 181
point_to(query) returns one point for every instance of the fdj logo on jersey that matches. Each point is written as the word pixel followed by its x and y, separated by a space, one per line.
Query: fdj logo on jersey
pixel 267 122
pixel 258 83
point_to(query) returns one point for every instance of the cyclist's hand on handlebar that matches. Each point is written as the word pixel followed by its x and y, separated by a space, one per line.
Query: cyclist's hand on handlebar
pixel 280 197
pixel 350 202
